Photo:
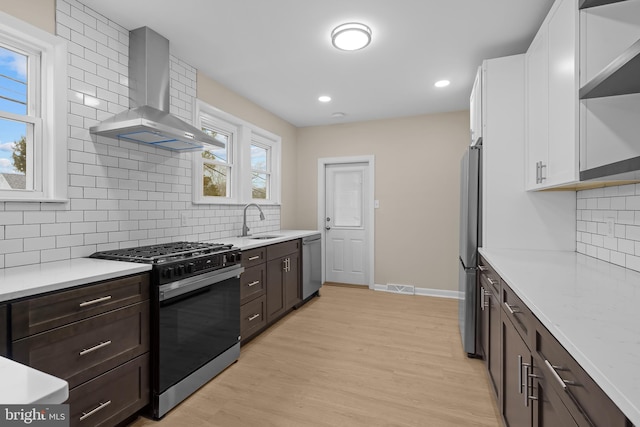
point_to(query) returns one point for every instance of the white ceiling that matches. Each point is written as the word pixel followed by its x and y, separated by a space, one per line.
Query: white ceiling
pixel 278 53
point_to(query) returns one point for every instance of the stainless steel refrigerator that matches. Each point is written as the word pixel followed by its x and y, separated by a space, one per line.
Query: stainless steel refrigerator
pixel 470 220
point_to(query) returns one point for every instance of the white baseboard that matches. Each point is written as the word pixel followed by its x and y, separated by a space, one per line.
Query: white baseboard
pixel 411 290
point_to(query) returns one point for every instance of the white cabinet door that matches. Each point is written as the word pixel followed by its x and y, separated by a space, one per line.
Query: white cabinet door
pixel 563 94
pixel 552 100
pixel 537 102
pixel 475 107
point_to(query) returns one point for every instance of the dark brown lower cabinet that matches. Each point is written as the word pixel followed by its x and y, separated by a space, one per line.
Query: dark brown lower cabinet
pixel 111 397
pixel 516 409
pixel 4 325
pixel 538 383
pixel 548 409
pixel 493 341
pixel 96 337
pixel 283 278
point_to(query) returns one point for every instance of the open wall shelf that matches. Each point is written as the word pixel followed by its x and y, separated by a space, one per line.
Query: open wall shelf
pixel 620 77
pixel 584 4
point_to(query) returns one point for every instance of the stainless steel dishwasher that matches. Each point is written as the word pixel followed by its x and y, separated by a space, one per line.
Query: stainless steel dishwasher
pixel 311 265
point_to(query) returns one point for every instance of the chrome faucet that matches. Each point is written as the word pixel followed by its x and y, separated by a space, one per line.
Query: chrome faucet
pixel 245 229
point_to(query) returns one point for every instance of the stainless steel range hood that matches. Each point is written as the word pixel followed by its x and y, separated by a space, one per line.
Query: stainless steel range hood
pixel 149 121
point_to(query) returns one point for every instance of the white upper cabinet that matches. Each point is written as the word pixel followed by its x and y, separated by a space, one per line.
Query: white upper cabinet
pixel 552 100
pixel 475 108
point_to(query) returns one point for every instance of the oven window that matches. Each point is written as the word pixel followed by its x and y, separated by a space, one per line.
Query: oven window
pixel 195 328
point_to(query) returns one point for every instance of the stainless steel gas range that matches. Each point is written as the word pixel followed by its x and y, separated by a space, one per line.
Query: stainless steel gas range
pixel 195 314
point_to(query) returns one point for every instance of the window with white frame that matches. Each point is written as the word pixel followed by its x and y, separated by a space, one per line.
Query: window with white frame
pixel 245 169
pixel 217 162
pixel 33 132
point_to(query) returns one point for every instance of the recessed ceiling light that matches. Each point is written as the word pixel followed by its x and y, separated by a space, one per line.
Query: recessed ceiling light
pixel 442 83
pixel 324 98
pixel 351 36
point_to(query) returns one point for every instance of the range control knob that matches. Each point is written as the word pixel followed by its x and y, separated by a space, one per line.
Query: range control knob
pixel 168 273
pixel 180 270
pixel 191 267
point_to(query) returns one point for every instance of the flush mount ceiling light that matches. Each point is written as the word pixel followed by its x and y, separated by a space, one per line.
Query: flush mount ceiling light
pixel 338 115
pixel 324 98
pixel 351 36
pixel 442 83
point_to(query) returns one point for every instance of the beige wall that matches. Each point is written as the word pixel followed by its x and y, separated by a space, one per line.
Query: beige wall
pixel 215 94
pixel 417 183
pixel 39 13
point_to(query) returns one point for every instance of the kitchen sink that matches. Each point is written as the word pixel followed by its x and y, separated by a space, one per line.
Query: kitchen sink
pixel 265 237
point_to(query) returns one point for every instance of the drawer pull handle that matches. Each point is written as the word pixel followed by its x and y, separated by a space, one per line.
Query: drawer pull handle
pixel 253 283
pixel 510 308
pixel 554 370
pixel 254 317
pixel 482 267
pixel 95 347
pixel 491 281
pixel 95 301
pixel 253 258
pixel 93 411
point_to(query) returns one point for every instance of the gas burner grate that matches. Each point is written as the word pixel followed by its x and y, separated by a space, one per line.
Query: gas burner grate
pixel 162 252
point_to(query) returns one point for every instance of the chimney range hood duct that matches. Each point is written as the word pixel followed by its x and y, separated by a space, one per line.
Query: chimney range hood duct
pixel 149 121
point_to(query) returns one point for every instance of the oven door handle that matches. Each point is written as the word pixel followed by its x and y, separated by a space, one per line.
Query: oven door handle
pixel 180 287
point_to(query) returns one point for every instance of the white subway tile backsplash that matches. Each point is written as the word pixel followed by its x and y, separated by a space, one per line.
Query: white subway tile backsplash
pixel 22 258
pixel 595 208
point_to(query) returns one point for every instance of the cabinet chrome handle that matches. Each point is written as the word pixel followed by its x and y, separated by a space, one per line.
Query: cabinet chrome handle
pixel 483 300
pixel 520 366
pixel 101 406
pixel 254 317
pixel 542 177
pixel 482 267
pixel 95 347
pixel 491 281
pixel 554 370
pixel 253 283
pixel 253 258
pixel 527 375
pixel 95 301
pixel 510 308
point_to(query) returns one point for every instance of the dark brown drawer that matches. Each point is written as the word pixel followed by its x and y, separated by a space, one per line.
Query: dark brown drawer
pixel 518 313
pixel 46 312
pixel 111 397
pixel 252 282
pixel 281 249
pixel 82 350
pixel 252 317
pixel 4 325
pixel 489 279
pixel 254 257
pixel 582 396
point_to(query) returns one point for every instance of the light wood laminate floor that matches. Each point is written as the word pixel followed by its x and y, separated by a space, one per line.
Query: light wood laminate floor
pixel 353 357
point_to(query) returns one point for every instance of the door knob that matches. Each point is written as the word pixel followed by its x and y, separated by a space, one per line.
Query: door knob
pixel 327 228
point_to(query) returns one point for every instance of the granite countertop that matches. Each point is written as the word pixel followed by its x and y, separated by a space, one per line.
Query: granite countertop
pixel 24 385
pixel 29 280
pixel 590 306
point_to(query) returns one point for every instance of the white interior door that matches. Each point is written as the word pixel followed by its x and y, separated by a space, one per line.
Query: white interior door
pixel 346 221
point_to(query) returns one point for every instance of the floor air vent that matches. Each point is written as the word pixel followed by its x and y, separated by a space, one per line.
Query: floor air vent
pixel 401 289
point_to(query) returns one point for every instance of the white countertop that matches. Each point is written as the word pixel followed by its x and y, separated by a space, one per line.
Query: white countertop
pixel 245 243
pixel 28 280
pixel 590 306
pixel 24 385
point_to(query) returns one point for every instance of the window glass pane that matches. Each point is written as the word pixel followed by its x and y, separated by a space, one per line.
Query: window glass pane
pixel 348 199
pixel 259 185
pixel 13 81
pixel 214 180
pixel 217 153
pixel 258 158
pixel 13 155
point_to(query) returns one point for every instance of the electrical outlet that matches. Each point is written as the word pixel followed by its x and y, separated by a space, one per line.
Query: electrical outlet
pixel 183 219
pixel 610 223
